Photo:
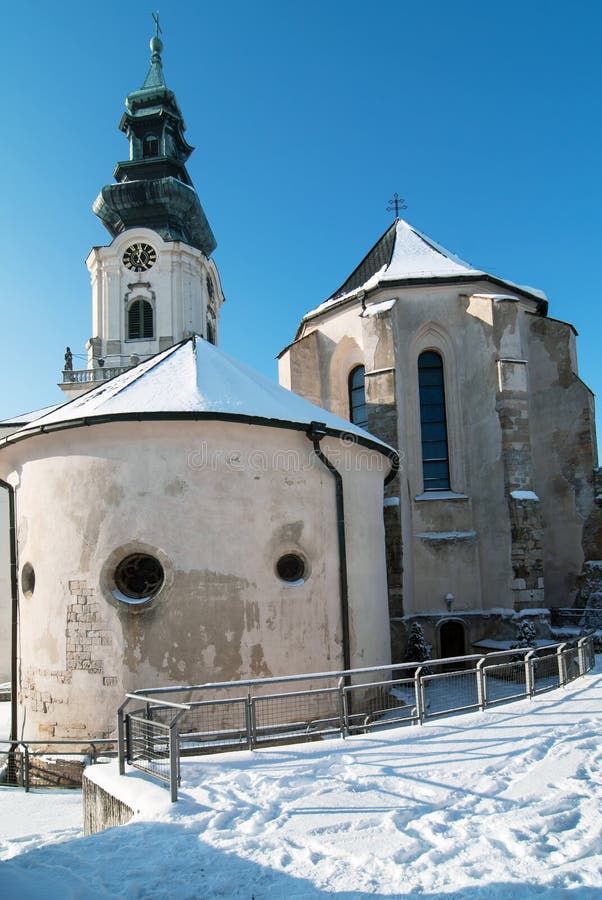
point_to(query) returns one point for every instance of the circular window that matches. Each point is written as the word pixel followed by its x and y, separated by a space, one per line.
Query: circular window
pixel 138 577
pixel 291 568
pixel 28 580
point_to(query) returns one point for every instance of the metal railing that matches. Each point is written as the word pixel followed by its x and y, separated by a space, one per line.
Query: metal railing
pixel 150 745
pixel 22 765
pixel 259 712
pixel 576 617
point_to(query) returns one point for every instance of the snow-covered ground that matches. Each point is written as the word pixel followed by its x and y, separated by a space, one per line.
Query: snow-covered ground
pixel 502 804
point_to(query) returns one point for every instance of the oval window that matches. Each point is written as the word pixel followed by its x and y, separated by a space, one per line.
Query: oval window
pixel 138 578
pixel 28 580
pixel 291 568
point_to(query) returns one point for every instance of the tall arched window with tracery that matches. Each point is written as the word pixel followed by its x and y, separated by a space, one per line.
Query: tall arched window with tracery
pixel 358 412
pixel 140 320
pixel 433 422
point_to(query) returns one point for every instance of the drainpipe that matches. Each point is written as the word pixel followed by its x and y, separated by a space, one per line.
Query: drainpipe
pixel 12 540
pixel 315 433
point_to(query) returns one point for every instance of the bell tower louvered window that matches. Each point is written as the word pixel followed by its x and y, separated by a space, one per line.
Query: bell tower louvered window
pixel 140 320
pixel 433 423
pixel 150 146
pixel 358 412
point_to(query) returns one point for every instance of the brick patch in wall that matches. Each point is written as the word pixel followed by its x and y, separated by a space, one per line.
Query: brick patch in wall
pixel 84 632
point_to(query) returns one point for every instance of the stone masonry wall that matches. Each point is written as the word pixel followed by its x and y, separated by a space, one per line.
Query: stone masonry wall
pixel 42 689
pixel 101 809
pixel 85 632
pixel 525 516
pixel 382 421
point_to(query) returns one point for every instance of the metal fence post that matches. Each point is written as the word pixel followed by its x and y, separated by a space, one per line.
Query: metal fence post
pixel 591 656
pixel 121 737
pixel 481 696
pixel 25 767
pixel 16 763
pixel 581 655
pixel 562 676
pixel 174 759
pixel 418 692
pixel 529 673
pixel 252 724
pixel 343 711
pixel 149 744
pixel 248 725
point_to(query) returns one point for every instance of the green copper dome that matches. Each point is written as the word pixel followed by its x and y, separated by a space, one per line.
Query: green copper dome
pixel 153 187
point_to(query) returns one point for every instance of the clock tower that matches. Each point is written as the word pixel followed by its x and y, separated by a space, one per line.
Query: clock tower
pixel 155 283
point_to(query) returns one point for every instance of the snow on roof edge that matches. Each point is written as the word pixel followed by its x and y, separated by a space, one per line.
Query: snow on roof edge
pixel 264 395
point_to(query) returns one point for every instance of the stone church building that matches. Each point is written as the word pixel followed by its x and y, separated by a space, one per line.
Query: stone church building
pixel 181 519
pixel 466 374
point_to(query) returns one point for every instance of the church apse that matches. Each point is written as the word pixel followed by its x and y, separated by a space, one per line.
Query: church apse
pixel 494 502
pixel 189 546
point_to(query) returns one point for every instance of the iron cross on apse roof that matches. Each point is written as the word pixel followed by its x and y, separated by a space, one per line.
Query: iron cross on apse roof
pixel 398 203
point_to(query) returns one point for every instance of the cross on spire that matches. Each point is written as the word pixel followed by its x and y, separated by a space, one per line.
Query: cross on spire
pixel 398 203
pixel 158 29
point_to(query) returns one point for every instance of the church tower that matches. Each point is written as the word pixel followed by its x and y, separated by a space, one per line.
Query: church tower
pixel 155 283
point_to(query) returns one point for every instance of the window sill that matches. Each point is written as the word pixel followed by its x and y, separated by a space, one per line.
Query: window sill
pixel 440 495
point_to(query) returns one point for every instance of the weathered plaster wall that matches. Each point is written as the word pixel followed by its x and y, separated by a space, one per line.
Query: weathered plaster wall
pixel 451 549
pixel 448 543
pixel 519 420
pixel 218 504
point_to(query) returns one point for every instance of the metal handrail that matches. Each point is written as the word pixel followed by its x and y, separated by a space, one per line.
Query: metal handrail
pixel 336 673
pixel 13 748
pixel 287 724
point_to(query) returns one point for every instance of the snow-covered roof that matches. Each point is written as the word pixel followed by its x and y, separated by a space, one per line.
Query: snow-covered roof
pixel 405 254
pixel 416 254
pixel 24 418
pixel 195 380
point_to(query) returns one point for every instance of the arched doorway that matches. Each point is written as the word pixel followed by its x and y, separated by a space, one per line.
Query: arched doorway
pixel 452 638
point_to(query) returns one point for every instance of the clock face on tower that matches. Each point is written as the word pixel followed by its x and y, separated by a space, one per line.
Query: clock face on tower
pixel 139 257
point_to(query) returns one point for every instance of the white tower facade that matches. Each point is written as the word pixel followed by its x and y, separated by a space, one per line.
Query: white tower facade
pixel 147 294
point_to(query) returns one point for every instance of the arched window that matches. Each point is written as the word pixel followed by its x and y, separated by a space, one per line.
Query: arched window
pixel 140 320
pixel 210 330
pixel 150 146
pixel 357 397
pixel 433 424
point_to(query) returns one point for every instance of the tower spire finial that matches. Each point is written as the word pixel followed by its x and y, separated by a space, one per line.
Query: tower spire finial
pixel 156 44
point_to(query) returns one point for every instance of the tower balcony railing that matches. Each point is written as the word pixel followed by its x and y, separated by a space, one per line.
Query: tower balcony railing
pixel 90 376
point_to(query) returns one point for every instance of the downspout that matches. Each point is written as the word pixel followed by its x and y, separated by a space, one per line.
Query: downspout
pixel 12 540
pixel 315 433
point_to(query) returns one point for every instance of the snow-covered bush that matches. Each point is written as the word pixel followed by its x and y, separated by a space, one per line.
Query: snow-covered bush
pixel 525 634
pixel 417 648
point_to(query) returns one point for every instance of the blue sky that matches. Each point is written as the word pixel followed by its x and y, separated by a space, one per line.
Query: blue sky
pixel 306 118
